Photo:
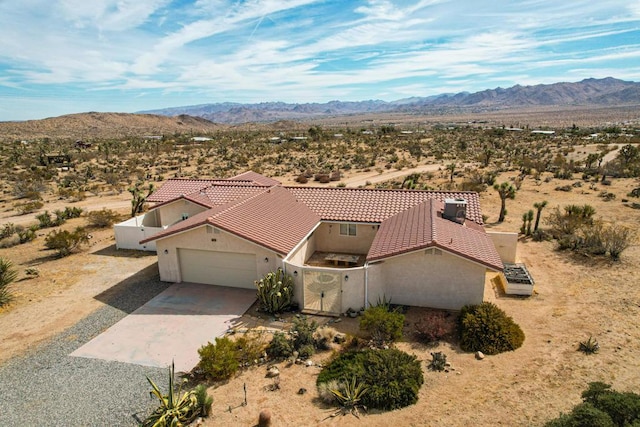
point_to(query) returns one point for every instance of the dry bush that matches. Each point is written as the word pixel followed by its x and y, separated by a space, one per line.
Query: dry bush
pixel 434 326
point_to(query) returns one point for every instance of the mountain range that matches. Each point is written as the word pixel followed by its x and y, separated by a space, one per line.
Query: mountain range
pixel 589 92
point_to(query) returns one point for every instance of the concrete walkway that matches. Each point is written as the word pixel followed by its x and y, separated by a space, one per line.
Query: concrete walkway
pixel 171 326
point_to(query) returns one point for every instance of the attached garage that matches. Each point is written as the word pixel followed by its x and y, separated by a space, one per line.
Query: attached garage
pixel 237 270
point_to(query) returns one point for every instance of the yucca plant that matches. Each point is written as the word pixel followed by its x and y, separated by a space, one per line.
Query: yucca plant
pixel 438 361
pixel 275 291
pixel 7 276
pixel 589 346
pixel 176 408
pixel 349 394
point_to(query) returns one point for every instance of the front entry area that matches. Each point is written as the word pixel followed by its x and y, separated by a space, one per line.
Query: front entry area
pixel 236 270
pixel 322 291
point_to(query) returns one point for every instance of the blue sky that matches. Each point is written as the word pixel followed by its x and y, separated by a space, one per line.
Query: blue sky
pixel 67 56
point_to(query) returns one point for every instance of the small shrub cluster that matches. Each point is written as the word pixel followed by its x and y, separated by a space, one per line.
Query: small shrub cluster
pixel 392 377
pixel 45 220
pixel 275 291
pixel 64 242
pixel 486 328
pixel 434 326
pixel 301 340
pixel 576 230
pixel 382 325
pixel 438 361
pixel 103 218
pixel 602 407
pixel 219 361
pixel 28 207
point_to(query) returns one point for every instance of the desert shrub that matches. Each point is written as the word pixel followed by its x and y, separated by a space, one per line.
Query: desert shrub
pixel 8 275
pixel 7 230
pixel 392 377
pixel 28 207
pixel 219 361
pixel 326 391
pixel 275 291
pixel 434 325
pixel 26 234
pixel 303 336
pixel 280 346
pixel 302 179
pixel 486 328
pixel 602 407
pixel 569 220
pixel 617 239
pixel 381 324
pixel 45 220
pixel 249 348
pixel 306 351
pixel 634 193
pixel 65 242
pixel 204 401
pixel 589 346
pixel 102 218
pixel 438 361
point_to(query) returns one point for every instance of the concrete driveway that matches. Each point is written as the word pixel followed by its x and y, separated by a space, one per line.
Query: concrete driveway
pixel 171 326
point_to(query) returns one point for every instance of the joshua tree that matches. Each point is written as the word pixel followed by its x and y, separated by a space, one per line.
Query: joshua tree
pixel 452 170
pixel 138 197
pixel 539 206
pixel 505 191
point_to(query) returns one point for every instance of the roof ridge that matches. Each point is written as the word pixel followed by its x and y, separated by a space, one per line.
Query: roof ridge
pixel 239 202
pixel 395 190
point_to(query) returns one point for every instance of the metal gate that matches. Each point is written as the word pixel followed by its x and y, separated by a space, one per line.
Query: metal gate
pixel 322 291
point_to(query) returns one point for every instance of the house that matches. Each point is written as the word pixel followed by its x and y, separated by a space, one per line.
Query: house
pixel 344 247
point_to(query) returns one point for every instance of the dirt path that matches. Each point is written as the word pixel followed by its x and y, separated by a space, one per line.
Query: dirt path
pixel 374 177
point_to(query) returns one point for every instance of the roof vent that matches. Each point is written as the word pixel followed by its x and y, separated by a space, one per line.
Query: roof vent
pixel 455 210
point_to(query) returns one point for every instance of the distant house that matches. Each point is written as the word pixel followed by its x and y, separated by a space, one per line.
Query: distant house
pixel 543 132
pixel 201 139
pixel 344 247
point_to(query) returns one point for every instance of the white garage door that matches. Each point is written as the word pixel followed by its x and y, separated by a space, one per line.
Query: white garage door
pixel 218 268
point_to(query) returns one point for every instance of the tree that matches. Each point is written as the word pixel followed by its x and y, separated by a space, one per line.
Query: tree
pixel 539 206
pixel 138 197
pixel 411 181
pixel 628 154
pixel 505 191
pixel 452 170
pixel 7 276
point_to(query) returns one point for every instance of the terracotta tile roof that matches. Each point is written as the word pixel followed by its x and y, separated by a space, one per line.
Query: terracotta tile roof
pixel 422 226
pixel 174 188
pixel 259 218
pixel 256 178
pixel 368 205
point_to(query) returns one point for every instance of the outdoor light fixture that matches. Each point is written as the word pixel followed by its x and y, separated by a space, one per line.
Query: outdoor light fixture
pixel 166 251
pixel 346 278
pixel 266 259
pixel 295 273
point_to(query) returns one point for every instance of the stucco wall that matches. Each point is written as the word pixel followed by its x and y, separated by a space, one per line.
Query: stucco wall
pixel 304 251
pixel 129 233
pixel 506 244
pixel 428 280
pixel 172 212
pixel 199 238
pixel 329 238
pixel 353 288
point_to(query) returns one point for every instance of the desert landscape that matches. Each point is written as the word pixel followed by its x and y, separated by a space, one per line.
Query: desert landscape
pixel 580 160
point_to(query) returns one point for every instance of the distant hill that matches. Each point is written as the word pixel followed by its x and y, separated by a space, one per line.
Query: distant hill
pixel 588 92
pixel 105 125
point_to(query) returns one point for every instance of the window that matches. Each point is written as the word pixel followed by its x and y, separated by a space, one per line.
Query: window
pixel 347 229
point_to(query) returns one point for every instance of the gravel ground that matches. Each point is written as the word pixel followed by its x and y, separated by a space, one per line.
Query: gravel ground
pixel 48 387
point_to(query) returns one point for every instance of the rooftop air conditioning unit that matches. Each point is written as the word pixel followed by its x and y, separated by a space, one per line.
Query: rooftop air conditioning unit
pixel 455 210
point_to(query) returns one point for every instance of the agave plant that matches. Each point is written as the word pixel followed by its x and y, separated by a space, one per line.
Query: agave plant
pixel 7 276
pixel 589 346
pixel 348 394
pixel 176 408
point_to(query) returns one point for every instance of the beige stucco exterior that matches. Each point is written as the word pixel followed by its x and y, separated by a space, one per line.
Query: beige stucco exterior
pixel 210 239
pixel 329 239
pixel 506 245
pixel 424 278
pixel 173 212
